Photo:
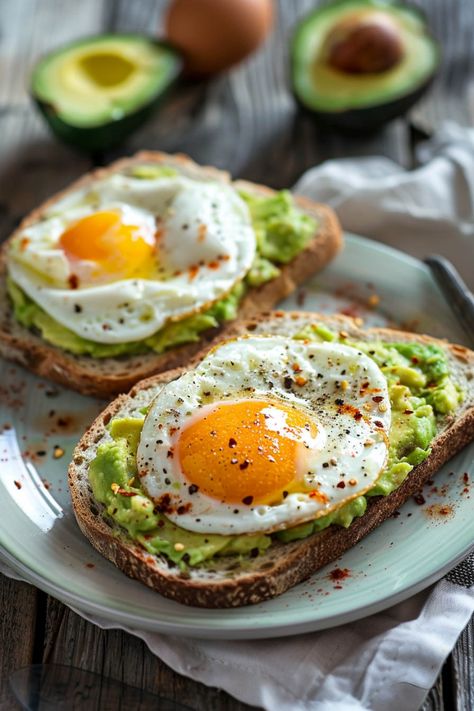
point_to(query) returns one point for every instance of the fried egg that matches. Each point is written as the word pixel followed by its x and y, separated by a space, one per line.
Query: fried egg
pixel 265 433
pixel 116 262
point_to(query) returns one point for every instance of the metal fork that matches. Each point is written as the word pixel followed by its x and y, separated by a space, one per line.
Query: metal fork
pixel 459 297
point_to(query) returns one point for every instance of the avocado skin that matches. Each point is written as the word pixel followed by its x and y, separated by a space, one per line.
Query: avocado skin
pixel 108 135
pixel 371 118
pixel 367 119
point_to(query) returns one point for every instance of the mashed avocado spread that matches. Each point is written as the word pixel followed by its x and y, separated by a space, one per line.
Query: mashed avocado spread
pixel 421 393
pixel 281 232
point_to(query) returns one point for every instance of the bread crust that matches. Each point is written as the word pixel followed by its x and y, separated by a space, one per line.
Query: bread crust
pixel 284 564
pixel 106 377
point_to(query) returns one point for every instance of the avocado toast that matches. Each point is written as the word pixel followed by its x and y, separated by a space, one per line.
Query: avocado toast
pixel 430 384
pixel 295 238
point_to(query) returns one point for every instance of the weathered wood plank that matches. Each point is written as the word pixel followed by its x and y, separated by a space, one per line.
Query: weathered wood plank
pixel 17 632
pixel 33 165
pixel 452 95
pixel 462 662
pixel 71 640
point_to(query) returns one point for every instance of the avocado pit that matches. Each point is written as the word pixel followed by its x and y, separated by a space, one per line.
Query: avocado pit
pixel 364 43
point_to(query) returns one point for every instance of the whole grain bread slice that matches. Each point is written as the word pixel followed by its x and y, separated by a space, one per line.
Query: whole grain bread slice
pixel 229 583
pixel 108 376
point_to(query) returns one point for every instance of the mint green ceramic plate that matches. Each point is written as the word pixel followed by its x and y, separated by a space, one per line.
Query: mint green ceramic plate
pixel 42 543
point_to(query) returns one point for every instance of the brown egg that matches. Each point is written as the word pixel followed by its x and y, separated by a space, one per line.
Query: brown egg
pixel 215 34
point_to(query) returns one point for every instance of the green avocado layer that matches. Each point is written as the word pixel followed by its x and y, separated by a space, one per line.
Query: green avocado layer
pixel 95 91
pixel 420 390
pixel 281 232
pixel 321 87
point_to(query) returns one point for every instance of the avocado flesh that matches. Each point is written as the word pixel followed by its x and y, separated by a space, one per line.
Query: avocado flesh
pixel 94 92
pixel 421 394
pixel 326 90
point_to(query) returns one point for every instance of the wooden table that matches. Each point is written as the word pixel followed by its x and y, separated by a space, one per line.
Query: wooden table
pixel 246 122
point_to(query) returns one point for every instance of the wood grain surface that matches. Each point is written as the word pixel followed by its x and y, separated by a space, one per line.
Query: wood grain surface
pixel 244 121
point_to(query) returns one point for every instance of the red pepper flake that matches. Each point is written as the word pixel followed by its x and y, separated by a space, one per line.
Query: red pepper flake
pixel 378 424
pixel 349 410
pixel 319 496
pixel 408 412
pixel 232 442
pixel 419 499
pixel 341 485
pixel 124 492
pixel 465 477
pixel 90 565
pixel 193 271
pixel 213 265
pixel 353 310
pixel 439 510
pixel 378 398
pixel 247 500
pixel 18 484
pixel 73 281
pixel 415 360
pixel 202 229
pixel 339 574
pixel 24 243
pixel 244 465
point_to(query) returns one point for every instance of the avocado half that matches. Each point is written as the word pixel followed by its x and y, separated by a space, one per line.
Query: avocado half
pixel 94 92
pixel 357 64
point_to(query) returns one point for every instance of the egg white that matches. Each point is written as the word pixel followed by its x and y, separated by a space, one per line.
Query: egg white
pixel 194 270
pixel 347 450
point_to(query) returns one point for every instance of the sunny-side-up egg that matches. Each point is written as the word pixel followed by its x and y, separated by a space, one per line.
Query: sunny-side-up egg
pixel 116 261
pixel 266 433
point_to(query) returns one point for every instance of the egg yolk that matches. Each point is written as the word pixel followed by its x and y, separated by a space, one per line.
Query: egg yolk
pixel 246 452
pixel 112 246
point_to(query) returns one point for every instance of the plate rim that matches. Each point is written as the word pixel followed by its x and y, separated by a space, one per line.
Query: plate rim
pixel 271 630
pixel 269 627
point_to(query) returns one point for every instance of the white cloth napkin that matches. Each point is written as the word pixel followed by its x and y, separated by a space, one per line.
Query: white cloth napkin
pixel 430 209
pixel 389 660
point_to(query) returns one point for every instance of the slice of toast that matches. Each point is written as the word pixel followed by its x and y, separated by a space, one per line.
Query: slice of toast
pixel 106 377
pixel 225 583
